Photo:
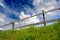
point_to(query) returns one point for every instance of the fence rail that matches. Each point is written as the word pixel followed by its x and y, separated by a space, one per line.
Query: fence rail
pixel 44 22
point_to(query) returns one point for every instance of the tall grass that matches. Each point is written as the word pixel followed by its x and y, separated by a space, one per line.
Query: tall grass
pixel 50 32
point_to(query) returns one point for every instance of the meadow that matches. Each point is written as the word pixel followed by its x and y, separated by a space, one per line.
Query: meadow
pixel 49 32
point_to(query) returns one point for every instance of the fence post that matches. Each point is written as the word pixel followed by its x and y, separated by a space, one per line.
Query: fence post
pixel 44 17
pixel 12 25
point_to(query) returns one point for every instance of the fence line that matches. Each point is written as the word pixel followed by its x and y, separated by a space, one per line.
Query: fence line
pixel 32 16
pixel 54 20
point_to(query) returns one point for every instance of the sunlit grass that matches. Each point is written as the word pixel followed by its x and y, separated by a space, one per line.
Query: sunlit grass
pixel 50 32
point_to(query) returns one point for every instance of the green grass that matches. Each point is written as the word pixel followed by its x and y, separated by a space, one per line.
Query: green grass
pixel 50 32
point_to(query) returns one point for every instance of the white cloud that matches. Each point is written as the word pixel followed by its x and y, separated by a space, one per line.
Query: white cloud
pixel 36 2
pixel 22 15
pixel 2 18
pixel 28 21
pixel 1 29
pixel 49 8
pixel 44 5
pixel 1 3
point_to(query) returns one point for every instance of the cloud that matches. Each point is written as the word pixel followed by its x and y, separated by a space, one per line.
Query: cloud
pixel 28 21
pixel 22 15
pixel 37 2
pixel 1 3
pixel 43 4
pixel 2 18
pixel 9 13
pixel 1 29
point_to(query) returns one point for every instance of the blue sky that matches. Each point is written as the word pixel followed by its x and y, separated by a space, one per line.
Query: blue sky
pixel 11 10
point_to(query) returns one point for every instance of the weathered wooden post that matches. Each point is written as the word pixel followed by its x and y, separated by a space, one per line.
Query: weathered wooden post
pixel 12 25
pixel 44 17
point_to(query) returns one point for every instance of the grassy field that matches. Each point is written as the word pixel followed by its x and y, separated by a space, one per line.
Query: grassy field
pixel 50 32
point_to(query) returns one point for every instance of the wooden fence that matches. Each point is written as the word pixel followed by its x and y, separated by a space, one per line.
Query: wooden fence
pixel 43 22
